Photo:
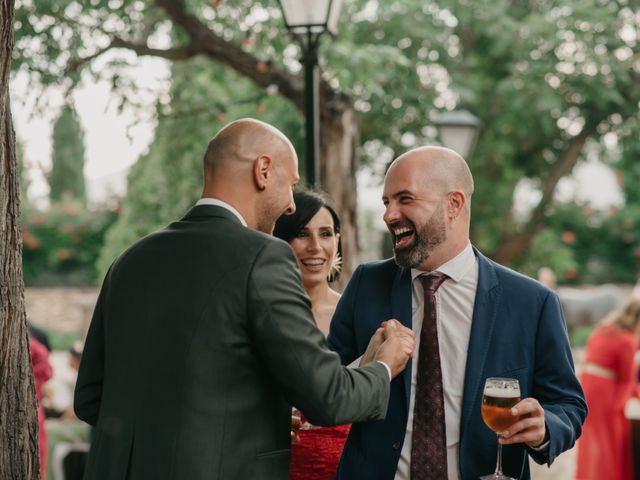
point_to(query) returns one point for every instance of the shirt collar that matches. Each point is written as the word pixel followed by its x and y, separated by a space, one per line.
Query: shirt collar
pixel 219 203
pixel 456 268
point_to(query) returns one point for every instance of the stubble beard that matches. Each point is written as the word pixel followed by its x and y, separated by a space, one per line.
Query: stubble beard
pixel 267 217
pixel 432 234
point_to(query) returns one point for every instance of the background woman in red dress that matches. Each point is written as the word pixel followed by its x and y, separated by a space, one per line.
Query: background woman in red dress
pixel 609 378
pixel 42 372
pixel 313 232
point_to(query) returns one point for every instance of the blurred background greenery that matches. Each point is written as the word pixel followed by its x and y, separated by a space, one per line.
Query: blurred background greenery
pixel 555 85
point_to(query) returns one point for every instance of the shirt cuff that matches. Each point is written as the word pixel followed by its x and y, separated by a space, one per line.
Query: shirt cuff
pixel 389 369
pixel 541 448
pixel 356 362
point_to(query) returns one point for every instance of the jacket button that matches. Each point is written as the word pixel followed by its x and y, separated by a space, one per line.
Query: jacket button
pixel 396 445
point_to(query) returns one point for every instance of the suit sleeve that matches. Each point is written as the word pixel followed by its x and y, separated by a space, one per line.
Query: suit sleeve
pixel 296 352
pixel 88 391
pixel 555 384
pixel 341 337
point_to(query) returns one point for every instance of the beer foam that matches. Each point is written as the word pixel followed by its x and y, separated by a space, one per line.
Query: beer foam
pixel 508 392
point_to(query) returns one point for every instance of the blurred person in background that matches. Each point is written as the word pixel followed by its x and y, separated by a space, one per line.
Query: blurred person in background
pixel 313 232
pixel 41 373
pixel 609 378
pixel 58 393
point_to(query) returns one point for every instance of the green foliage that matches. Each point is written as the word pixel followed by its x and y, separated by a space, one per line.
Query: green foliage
pixel 602 246
pixel 548 249
pixel 67 173
pixel 539 74
pixel 580 335
pixel 60 246
pixel 167 181
pixel 60 340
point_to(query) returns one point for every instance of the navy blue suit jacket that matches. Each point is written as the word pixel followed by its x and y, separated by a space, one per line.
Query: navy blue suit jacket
pixel 517 331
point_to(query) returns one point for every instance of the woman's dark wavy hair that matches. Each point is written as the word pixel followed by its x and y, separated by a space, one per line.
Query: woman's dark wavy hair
pixel 308 203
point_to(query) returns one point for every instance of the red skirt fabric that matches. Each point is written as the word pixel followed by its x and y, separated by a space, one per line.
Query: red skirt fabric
pixel 317 453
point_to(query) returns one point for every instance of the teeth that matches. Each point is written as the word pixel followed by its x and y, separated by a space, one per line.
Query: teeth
pixel 312 263
pixel 400 231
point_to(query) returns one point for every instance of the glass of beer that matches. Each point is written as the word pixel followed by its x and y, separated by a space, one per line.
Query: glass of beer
pixel 500 394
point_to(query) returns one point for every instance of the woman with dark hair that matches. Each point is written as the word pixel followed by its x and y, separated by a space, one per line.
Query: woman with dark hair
pixel 609 378
pixel 313 232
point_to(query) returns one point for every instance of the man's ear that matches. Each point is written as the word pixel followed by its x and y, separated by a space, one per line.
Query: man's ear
pixel 262 168
pixel 455 204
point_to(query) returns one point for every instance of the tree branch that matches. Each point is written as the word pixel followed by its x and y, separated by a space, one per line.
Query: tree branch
pixel 205 41
pixel 513 246
pixel 173 54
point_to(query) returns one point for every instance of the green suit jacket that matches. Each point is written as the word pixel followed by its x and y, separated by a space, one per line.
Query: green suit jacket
pixel 201 340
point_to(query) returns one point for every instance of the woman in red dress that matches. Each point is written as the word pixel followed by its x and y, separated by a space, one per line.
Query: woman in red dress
pixel 609 378
pixel 313 232
pixel 42 372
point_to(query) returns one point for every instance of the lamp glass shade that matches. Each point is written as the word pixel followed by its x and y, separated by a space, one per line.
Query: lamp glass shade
pixel 312 15
pixel 458 131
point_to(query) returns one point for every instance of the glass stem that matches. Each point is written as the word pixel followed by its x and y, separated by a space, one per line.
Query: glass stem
pixel 499 460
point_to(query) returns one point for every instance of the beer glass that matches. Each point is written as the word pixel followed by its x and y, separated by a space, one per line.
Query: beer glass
pixel 500 394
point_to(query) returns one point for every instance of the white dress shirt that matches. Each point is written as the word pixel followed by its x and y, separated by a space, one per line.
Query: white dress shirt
pixel 454 303
pixel 220 203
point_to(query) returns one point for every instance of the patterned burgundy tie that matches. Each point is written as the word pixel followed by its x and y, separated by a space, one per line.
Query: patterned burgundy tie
pixel 429 443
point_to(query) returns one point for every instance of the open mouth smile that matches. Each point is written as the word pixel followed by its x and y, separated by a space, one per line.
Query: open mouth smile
pixel 313 264
pixel 402 237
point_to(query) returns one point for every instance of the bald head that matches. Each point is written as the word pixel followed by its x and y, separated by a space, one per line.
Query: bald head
pixel 239 143
pixel 253 167
pixel 440 169
pixel 427 194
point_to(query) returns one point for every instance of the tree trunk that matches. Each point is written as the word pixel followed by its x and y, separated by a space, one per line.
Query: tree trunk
pixel 339 139
pixel 19 458
pixel 514 245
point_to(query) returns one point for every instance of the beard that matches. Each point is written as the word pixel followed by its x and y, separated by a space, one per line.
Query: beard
pixel 267 216
pixel 429 236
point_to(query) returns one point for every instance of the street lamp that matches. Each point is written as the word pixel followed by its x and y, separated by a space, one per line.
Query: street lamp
pixel 458 130
pixel 308 20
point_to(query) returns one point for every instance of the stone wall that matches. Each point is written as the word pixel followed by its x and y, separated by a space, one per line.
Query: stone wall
pixel 64 309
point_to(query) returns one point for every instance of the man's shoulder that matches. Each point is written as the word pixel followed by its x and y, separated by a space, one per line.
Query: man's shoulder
pixel 379 267
pixel 508 277
pixel 237 241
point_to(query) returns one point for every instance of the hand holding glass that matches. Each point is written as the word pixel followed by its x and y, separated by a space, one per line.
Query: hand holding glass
pixel 500 395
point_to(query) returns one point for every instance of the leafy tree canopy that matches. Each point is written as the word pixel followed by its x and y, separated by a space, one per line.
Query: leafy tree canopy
pixel 547 78
pixel 67 171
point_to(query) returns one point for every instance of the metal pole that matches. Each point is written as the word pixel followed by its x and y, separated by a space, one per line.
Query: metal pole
pixel 312 115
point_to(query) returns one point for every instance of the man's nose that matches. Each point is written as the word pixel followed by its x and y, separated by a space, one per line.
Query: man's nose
pixel 391 215
pixel 291 209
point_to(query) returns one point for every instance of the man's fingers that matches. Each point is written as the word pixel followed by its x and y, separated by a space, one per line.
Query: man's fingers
pixel 528 406
pixel 530 429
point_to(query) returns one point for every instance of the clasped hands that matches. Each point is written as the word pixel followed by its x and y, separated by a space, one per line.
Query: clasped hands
pixel 393 344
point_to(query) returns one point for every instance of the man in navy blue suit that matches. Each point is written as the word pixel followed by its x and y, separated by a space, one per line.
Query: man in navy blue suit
pixel 491 322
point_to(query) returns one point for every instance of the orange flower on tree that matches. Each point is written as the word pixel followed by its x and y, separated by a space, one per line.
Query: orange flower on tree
pixel 568 237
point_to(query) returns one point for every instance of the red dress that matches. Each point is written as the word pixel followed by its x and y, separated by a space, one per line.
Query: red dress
pixel 604 449
pixel 315 456
pixel 41 373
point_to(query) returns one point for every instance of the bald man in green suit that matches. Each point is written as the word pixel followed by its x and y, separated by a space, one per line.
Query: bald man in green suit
pixel 202 337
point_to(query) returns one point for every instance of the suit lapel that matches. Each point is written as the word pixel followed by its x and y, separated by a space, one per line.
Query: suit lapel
pixel 483 322
pixel 401 308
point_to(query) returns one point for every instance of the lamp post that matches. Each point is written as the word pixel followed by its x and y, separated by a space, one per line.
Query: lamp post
pixel 458 130
pixel 308 20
